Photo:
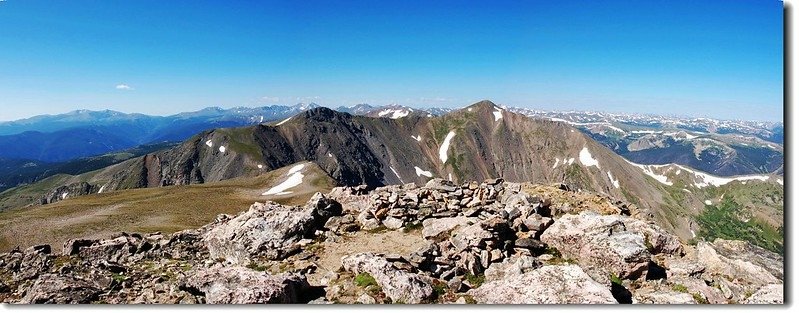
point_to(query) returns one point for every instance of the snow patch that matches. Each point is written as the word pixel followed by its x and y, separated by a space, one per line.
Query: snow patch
pixel 708 202
pixel 557 161
pixel 64 195
pixel 450 177
pixel 421 172
pixel 469 109
pixel 497 114
pixel 587 159
pixel 260 166
pixel 442 152
pixel 294 180
pixel 648 171
pixel 704 179
pixel 209 143
pixel 395 114
pixel 614 181
pixel 417 137
pixel 222 149
pixel 283 121
pixel 779 181
pixel 295 169
pixel 396 174
pixel 101 189
pixel 571 160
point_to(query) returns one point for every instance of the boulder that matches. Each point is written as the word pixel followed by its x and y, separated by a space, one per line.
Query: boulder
pixel 240 285
pixel 435 227
pixel 743 271
pixel 768 294
pixel 269 230
pixel 441 185
pixel 470 236
pixel 601 244
pixel 551 284
pixel 516 265
pixel 398 285
pixel 60 289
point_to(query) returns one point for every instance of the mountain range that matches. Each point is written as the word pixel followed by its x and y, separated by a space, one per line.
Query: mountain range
pixel 479 142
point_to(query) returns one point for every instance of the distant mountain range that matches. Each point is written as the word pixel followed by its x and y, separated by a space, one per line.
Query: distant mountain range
pixel 714 146
pixel 478 142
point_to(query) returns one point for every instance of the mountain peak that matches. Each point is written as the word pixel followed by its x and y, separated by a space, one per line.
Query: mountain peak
pixel 484 104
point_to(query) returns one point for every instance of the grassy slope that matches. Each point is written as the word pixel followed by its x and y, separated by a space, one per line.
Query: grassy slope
pixel 165 209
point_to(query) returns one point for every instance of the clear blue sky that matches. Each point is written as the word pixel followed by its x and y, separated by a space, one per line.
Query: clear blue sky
pixel 706 58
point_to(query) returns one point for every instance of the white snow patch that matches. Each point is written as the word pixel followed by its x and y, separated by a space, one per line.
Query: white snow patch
pixel 295 169
pixel 397 174
pixel 557 161
pixel 395 114
pixel 678 172
pixel 648 171
pixel 283 121
pixel 571 160
pixel 469 109
pixel 708 202
pixel 614 181
pixel 209 143
pixel 587 159
pixel 572 130
pixel 329 154
pixel 450 177
pixel 417 137
pixel 442 152
pixel 262 119
pixel 260 166
pixel 64 195
pixel 421 172
pixel 497 114
pixel 693 233
pixel 705 179
pixel 779 181
pixel 686 190
pixel 222 149
pixel 101 189
pixel 294 180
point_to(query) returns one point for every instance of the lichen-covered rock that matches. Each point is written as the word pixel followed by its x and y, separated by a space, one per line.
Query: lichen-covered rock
pixel 551 284
pixel 769 294
pixel 744 251
pixel 601 244
pixel 398 285
pixel 240 285
pixel 60 289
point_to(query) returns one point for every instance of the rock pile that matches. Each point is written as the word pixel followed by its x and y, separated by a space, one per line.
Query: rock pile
pixel 489 242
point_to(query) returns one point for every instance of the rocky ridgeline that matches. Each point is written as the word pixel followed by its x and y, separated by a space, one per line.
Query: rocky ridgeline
pixel 489 242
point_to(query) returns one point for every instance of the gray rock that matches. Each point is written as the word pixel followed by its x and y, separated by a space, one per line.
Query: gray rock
pixel 57 289
pixel 552 284
pixel 269 230
pixel 436 227
pixel 600 244
pixel 440 185
pixel 240 285
pixel 398 285
pixel 769 294
pixel 393 223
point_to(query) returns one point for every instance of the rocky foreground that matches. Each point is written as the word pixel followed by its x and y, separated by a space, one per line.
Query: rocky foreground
pixel 490 242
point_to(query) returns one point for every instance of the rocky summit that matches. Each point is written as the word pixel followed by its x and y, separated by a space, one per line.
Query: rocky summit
pixel 475 242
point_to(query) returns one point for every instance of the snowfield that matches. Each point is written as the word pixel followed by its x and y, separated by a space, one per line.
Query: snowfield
pixel 294 180
pixel 442 152
pixel 283 121
pixel 421 172
pixel 222 149
pixel 417 137
pixel 396 174
pixel 614 181
pixel 209 143
pixel 587 159
pixel 497 114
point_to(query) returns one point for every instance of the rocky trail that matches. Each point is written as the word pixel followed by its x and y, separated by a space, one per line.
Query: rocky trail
pixel 489 242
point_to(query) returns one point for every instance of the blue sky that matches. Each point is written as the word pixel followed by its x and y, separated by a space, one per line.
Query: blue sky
pixel 702 58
